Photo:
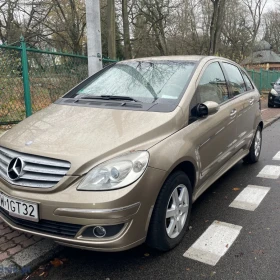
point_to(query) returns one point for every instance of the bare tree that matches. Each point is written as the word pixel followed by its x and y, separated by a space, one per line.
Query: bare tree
pixel 111 28
pixel 272 29
pixel 126 32
pixel 255 9
pixel 216 24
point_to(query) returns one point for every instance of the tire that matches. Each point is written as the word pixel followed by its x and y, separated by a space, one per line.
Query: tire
pixel 158 237
pixel 255 149
pixel 270 105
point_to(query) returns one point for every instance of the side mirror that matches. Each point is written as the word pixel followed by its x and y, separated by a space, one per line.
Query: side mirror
pixel 272 84
pixel 201 110
pixel 213 107
pixel 207 108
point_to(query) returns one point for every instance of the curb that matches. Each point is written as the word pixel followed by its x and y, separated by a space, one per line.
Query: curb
pixel 27 260
pixel 271 121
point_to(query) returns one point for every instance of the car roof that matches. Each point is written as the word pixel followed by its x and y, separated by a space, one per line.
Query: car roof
pixel 196 58
pixel 168 58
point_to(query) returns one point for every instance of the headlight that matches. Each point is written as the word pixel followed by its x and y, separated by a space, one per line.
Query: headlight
pixel 116 173
pixel 274 92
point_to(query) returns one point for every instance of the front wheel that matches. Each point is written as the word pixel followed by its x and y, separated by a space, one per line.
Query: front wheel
pixel 171 214
pixel 270 105
pixel 255 149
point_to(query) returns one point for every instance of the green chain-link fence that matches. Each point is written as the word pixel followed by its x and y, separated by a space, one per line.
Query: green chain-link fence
pixel 31 79
pixel 264 78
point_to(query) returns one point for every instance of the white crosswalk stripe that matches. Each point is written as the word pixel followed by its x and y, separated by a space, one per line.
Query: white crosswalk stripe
pixel 218 238
pixel 270 172
pixel 277 156
pixel 213 243
pixel 250 198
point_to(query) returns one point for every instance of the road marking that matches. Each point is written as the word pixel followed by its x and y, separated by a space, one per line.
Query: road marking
pixel 250 198
pixel 270 172
pixel 277 156
pixel 213 243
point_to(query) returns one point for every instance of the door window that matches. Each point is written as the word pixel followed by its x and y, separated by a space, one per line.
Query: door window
pixel 212 85
pixel 235 79
pixel 248 83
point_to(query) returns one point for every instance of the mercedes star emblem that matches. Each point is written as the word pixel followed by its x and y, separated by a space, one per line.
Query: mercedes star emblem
pixel 15 169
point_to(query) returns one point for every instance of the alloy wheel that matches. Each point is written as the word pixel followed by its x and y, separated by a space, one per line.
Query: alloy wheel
pixel 258 142
pixel 177 211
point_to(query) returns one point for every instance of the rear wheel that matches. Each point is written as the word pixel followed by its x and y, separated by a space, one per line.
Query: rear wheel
pixel 171 213
pixel 255 149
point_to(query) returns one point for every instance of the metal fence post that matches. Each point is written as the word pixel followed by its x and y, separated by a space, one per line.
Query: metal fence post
pixel 25 77
pixel 261 82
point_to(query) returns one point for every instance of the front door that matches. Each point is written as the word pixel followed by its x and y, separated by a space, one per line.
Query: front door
pixel 215 133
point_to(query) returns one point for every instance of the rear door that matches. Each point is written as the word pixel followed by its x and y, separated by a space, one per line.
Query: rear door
pixel 245 100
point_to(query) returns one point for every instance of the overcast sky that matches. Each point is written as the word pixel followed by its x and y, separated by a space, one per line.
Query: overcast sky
pixel 270 4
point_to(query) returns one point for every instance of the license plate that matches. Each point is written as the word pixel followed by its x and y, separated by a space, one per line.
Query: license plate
pixel 19 208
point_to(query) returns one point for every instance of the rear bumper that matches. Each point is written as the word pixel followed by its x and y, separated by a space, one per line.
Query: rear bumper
pixel 72 211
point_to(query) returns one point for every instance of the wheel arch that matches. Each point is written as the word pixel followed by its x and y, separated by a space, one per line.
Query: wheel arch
pixel 187 166
pixel 261 125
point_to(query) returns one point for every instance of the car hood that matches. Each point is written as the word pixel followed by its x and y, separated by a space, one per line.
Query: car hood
pixel 277 88
pixel 87 136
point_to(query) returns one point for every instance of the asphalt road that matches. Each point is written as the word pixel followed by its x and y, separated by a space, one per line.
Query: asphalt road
pixel 255 254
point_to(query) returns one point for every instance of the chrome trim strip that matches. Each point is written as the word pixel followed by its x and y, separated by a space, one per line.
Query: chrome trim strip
pixel 37 171
pixel 103 211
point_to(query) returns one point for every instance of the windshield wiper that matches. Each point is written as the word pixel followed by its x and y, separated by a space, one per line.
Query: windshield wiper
pixel 110 97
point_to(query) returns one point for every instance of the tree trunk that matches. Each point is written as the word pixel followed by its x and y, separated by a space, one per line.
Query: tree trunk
pixel 111 29
pixel 219 23
pixel 213 26
pixel 126 35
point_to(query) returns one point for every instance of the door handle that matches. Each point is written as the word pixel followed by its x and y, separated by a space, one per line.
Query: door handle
pixel 233 113
pixel 251 101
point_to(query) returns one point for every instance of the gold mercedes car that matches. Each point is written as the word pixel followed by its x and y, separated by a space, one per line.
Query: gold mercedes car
pixel 120 158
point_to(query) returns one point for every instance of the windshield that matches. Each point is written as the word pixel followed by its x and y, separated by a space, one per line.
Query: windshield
pixel 144 81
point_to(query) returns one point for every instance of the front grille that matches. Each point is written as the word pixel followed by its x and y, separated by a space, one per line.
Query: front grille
pixel 45 226
pixel 37 172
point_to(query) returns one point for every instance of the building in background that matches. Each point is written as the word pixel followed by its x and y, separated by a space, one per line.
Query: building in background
pixel 263 57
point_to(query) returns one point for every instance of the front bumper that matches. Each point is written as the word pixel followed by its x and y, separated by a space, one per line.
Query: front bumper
pixel 65 209
pixel 273 100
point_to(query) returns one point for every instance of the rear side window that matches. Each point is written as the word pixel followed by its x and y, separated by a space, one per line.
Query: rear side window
pixel 212 85
pixel 248 83
pixel 236 81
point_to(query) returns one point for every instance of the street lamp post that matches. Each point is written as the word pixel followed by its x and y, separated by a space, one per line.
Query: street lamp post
pixel 94 46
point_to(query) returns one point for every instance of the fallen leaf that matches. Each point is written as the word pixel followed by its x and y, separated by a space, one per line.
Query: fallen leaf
pixel 258 252
pixel 188 269
pixel 42 274
pixel 56 262
pixel 236 189
pixel 212 273
pixel 227 246
pixel 147 255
